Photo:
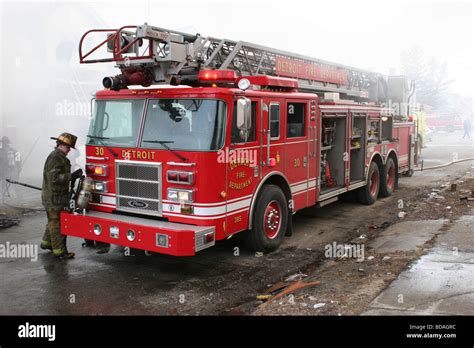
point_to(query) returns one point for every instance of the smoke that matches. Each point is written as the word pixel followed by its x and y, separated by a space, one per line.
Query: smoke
pixel 44 89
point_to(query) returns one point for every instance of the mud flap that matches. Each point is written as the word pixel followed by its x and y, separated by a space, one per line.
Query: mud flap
pixel 289 225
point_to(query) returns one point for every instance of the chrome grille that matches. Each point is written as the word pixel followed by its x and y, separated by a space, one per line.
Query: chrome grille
pixel 138 186
pixel 138 189
pixel 138 172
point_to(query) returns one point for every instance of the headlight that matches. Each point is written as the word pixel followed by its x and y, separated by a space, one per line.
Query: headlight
pixel 114 232
pixel 172 195
pixel 101 186
pixel 244 84
pixel 97 229
pixel 131 235
pixel 185 196
pixel 180 195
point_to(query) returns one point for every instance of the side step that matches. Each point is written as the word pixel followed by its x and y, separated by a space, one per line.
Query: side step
pixel 327 201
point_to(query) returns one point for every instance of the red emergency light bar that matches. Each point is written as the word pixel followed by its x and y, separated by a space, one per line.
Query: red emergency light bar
pixel 217 76
pixel 271 81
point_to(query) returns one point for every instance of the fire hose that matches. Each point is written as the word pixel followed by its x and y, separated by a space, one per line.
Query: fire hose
pixel 80 196
pixel 443 165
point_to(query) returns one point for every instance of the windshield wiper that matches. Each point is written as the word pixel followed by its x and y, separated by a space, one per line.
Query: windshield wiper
pixel 164 144
pixel 99 139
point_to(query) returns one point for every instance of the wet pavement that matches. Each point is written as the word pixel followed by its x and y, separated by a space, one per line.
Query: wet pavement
pixel 226 276
pixel 441 282
pixel 406 236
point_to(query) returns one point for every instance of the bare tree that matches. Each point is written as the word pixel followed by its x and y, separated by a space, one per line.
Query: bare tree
pixel 431 76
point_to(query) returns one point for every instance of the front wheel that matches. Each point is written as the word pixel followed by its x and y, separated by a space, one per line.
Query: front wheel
pixel 388 178
pixel 270 220
pixel 368 194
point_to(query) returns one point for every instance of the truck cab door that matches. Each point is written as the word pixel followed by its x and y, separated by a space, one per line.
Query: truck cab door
pixel 297 150
pixel 272 140
pixel 242 160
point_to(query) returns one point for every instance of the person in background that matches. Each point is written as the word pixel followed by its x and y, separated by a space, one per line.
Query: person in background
pixel 467 128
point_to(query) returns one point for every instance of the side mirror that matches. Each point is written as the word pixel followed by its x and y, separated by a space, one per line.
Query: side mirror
pixel 244 116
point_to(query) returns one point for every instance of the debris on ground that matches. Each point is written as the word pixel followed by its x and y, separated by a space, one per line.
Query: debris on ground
pixel 295 277
pixel 264 297
pixel 319 305
pixel 355 286
pixel 258 254
pixel 8 221
pixel 466 198
pixel 379 226
pixel 292 288
pixel 274 289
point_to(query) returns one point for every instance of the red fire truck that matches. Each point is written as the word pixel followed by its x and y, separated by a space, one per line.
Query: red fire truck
pixel 246 136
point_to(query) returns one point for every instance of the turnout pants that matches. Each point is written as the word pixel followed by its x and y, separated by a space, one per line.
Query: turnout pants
pixel 52 236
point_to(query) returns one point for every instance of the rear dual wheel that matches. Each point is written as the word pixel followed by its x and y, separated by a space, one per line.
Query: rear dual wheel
pixel 368 194
pixel 388 178
pixel 379 182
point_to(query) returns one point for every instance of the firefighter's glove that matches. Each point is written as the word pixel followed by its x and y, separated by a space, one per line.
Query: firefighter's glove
pixel 76 174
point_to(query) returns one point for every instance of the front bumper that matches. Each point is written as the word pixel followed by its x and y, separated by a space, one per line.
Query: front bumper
pixel 152 235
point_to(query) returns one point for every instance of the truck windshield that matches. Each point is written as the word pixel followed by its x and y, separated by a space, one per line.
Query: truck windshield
pixel 116 122
pixel 184 124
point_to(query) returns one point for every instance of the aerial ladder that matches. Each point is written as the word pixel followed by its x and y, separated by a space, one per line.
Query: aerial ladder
pixel 149 55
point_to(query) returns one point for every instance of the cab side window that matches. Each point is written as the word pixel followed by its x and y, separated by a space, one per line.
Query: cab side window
pixel 295 120
pixel 275 121
pixel 235 135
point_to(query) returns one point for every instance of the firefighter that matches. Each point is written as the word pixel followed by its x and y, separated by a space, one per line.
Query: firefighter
pixel 467 128
pixel 55 196
pixel 10 167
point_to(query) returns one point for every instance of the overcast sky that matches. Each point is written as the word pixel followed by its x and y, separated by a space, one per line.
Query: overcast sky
pixel 365 34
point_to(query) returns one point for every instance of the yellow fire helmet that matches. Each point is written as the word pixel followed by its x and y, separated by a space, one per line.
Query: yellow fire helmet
pixel 67 139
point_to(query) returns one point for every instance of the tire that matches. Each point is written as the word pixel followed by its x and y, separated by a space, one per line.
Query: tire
pixel 368 194
pixel 388 178
pixel 270 220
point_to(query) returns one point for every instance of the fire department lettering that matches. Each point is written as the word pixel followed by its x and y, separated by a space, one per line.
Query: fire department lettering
pixel 137 154
pixel 241 185
pixel 310 71
pixel 240 162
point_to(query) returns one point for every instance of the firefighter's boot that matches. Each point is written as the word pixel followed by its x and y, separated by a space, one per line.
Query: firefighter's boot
pixel 45 245
pixel 102 248
pixel 65 255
